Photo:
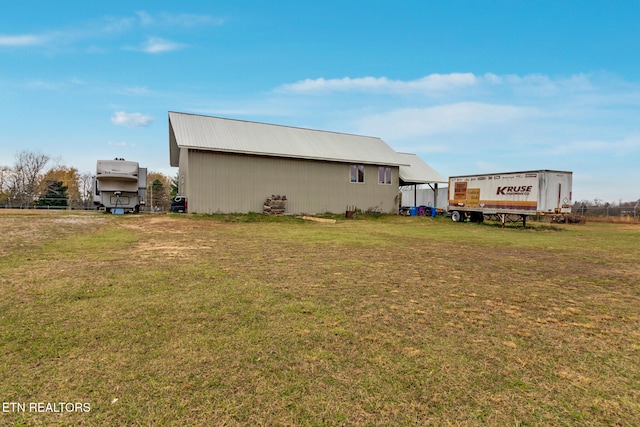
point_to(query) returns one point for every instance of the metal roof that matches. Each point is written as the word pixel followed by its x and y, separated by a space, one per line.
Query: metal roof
pixel 417 171
pixel 237 136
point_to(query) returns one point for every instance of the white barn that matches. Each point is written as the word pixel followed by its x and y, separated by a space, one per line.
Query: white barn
pixel 233 166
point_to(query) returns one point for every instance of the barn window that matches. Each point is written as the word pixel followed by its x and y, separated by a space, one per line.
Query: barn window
pixel 357 173
pixel 384 175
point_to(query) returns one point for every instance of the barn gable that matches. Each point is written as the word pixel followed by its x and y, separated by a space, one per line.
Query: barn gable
pixel 233 166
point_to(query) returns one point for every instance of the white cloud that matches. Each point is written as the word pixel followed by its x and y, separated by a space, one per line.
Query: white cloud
pixel 621 147
pixel 139 91
pixel 463 84
pixel 427 84
pixel 133 120
pixel 184 20
pixel 95 50
pixel 485 166
pixel 117 143
pixel 122 144
pixel 22 40
pixel 463 117
pixel 145 18
pixel 109 27
pixel 41 84
pixel 159 45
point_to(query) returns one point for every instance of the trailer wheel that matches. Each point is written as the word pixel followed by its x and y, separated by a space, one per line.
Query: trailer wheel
pixel 456 216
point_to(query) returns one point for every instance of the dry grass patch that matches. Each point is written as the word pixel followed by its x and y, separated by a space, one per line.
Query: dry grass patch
pixel 181 320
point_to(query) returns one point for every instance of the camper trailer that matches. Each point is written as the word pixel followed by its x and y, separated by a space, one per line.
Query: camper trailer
pixel 119 186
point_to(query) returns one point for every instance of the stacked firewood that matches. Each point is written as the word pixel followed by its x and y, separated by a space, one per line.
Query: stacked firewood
pixel 275 205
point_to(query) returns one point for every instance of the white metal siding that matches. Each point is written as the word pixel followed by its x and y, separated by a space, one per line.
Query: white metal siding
pixel 183 183
pixel 225 182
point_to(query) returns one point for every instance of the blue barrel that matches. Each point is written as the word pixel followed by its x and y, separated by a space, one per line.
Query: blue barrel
pixel 413 211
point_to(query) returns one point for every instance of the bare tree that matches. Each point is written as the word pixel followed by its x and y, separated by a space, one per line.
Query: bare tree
pixel 26 176
pixel 5 174
pixel 85 182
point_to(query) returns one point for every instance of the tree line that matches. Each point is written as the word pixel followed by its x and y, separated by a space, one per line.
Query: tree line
pixel 36 180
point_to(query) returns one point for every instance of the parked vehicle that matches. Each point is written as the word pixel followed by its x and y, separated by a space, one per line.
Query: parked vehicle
pixel 119 186
pixel 510 196
pixel 178 204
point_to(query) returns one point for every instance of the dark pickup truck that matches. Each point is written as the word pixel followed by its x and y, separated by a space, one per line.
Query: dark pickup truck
pixel 178 204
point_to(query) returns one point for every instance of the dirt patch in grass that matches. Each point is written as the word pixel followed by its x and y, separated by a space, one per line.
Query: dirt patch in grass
pixel 23 229
pixel 176 320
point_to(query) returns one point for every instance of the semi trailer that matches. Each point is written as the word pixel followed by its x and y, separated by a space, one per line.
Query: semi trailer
pixel 119 186
pixel 510 196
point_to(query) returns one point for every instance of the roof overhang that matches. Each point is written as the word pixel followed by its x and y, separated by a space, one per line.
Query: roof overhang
pixel 417 171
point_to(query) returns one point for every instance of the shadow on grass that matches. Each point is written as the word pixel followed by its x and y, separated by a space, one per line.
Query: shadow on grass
pixel 518 226
pixel 247 217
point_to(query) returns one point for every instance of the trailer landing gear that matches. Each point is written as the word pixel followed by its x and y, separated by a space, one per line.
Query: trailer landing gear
pixel 504 218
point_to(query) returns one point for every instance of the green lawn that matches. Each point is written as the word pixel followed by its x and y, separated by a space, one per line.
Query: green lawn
pixel 175 320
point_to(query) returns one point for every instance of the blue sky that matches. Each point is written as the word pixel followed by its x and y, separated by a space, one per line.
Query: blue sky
pixel 469 86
